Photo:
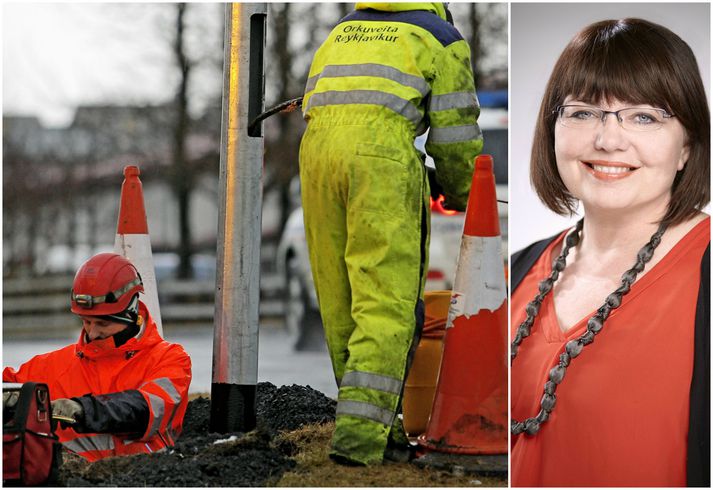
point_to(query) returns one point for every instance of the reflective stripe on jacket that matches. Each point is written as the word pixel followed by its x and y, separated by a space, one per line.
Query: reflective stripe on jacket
pixel 147 365
pixel 404 62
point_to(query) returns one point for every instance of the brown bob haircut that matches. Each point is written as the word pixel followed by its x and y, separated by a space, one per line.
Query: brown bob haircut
pixel 638 62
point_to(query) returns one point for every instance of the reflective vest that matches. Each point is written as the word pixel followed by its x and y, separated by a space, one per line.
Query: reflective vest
pixel 159 370
pixel 404 62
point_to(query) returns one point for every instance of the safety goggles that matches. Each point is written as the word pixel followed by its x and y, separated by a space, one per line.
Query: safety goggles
pixel 87 301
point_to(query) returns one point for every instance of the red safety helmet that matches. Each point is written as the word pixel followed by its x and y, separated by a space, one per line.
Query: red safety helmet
pixel 105 285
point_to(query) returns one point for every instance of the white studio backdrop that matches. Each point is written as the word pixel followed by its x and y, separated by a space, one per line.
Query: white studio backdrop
pixel 539 33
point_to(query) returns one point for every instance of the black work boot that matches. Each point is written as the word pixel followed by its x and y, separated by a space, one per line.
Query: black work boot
pixel 399 454
pixel 398 449
pixel 344 461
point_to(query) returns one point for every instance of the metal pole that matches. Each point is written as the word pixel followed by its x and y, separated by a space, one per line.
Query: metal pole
pixel 235 342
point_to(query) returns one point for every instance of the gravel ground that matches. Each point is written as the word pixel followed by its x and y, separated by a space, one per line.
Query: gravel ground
pixel 249 460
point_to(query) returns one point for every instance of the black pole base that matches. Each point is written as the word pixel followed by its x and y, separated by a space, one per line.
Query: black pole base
pixel 232 408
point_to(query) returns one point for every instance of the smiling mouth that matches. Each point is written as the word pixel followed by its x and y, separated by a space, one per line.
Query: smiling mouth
pixel 609 170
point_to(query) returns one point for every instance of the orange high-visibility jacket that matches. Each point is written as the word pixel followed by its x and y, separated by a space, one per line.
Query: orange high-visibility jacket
pixel 146 364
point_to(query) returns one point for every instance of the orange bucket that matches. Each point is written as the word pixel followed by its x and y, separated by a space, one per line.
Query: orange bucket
pixel 420 387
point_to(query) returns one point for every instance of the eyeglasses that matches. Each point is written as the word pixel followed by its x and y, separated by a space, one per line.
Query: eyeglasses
pixel 630 118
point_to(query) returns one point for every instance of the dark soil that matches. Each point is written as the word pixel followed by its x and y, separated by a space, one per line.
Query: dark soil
pixel 257 458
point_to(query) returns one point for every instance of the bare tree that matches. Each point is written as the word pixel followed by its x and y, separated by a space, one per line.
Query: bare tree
pixel 282 147
pixel 292 46
pixel 181 178
pixel 475 44
pixel 484 26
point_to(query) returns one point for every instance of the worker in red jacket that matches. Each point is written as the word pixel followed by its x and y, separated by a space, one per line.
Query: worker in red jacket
pixel 121 389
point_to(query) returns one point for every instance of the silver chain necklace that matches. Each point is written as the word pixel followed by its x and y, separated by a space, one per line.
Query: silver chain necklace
pixel 594 325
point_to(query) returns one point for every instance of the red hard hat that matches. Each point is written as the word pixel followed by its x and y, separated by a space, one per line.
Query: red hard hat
pixel 105 285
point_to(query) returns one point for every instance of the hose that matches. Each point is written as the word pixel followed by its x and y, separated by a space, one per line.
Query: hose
pixel 286 106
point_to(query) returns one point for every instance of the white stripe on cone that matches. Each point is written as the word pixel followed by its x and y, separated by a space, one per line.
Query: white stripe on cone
pixel 137 248
pixel 480 282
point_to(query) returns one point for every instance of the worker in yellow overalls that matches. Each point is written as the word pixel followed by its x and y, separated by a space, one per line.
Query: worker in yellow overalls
pixel 386 73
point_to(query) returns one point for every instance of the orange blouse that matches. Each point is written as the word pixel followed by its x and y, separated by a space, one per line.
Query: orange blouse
pixel 621 417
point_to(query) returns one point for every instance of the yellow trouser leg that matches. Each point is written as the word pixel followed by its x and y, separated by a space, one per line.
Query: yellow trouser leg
pixel 363 219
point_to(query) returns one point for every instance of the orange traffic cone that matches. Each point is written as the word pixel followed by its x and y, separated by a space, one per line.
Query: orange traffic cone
pixel 132 239
pixel 469 419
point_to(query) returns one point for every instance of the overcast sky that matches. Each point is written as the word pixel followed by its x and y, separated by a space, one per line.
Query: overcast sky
pixel 59 55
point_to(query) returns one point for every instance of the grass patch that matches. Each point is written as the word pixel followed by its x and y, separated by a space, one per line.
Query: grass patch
pixel 193 396
pixel 309 446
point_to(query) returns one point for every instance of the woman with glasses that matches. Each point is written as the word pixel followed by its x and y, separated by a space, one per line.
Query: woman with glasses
pixel 610 319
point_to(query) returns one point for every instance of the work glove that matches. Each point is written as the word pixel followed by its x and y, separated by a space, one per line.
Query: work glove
pixel 9 402
pixel 9 398
pixel 68 412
